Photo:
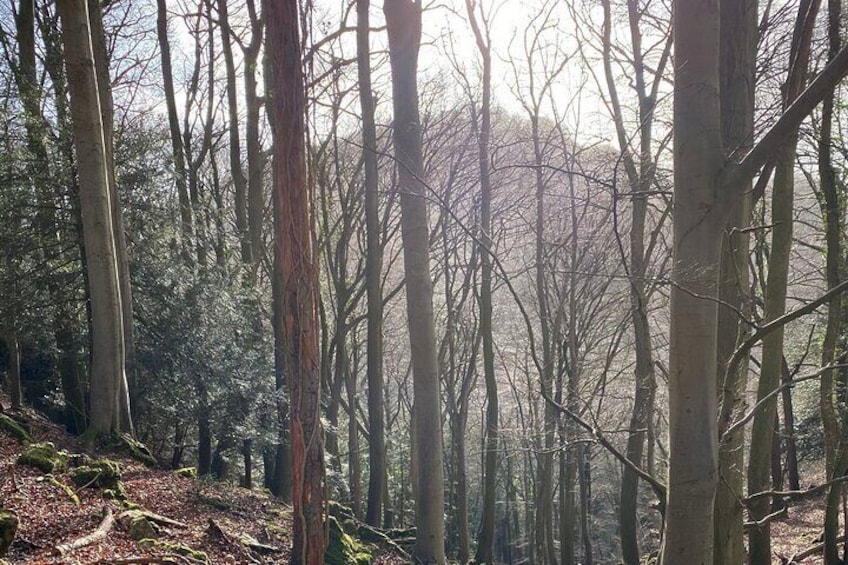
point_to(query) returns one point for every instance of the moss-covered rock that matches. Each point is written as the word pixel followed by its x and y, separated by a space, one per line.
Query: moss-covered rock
pixel 118 492
pixel 137 525
pixel 344 549
pixel 187 472
pixel 178 548
pixel 79 460
pixel 131 447
pixel 14 429
pixel 45 457
pixel 101 473
pixel 8 528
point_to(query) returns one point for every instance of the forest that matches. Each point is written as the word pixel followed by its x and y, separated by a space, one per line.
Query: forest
pixel 553 282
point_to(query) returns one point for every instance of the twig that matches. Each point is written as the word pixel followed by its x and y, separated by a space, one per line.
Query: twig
pixel 100 533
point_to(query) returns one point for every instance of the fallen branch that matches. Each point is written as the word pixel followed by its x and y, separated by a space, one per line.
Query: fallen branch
pixel 139 560
pixel 153 517
pixel 810 551
pixel 98 534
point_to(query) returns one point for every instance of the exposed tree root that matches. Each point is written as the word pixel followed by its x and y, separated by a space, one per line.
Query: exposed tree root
pixel 98 534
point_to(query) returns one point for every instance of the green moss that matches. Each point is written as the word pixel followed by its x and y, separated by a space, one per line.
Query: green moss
pixel 130 505
pixel 118 492
pixel 131 447
pixel 79 460
pixel 103 473
pixel 14 429
pixel 187 472
pixel 45 457
pixel 138 526
pixel 344 549
pixel 64 488
pixel 8 528
pixel 171 547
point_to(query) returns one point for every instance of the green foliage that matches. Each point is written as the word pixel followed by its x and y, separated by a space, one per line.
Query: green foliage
pixel 44 457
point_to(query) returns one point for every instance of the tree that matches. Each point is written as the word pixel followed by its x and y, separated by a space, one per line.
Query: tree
pixel 485 540
pixel 108 375
pixel 296 296
pixel 708 185
pixel 373 274
pixel 403 22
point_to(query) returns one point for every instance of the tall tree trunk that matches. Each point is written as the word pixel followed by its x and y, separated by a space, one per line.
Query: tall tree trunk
pixel 295 263
pixel 832 210
pixel 783 189
pixel 486 537
pixel 738 57
pixel 699 218
pixel 107 366
pixel 236 171
pixel 177 150
pixel 255 159
pixel 104 84
pixel 373 273
pixel 546 552
pixel 403 22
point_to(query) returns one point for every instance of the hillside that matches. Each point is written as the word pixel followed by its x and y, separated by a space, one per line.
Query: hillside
pixel 184 519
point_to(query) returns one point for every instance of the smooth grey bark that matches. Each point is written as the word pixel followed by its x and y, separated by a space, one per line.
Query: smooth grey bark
pixel 101 66
pixel 738 57
pixel 403 22
pixel 107 356
pixel 699 219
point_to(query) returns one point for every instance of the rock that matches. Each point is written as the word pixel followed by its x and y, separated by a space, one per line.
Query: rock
pixel 45 457
pixel 14 429
pixel 131 447
pixel 8 527
pixel 178 548
pixel 343 549
pixel 102 473
pixel 137 525
pixel 187 472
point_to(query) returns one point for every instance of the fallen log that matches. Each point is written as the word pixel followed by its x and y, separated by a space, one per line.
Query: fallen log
pixel 101 532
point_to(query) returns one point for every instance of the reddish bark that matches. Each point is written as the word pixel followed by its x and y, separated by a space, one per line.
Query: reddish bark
pixel 296 272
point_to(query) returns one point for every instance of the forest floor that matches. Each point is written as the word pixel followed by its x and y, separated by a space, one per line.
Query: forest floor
pixel 208 517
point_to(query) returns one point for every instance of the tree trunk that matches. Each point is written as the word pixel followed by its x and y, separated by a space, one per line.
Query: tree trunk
pixel 107 365
pixel 738 56
pixel 831 204
pixel 297 273
pixel 236 172
pixel 486 537
pixel 255 159
pixel 783 188
pixel 699 219
pixel 373 268
pixel 403 22
pixel 178 154
pixel 247 454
